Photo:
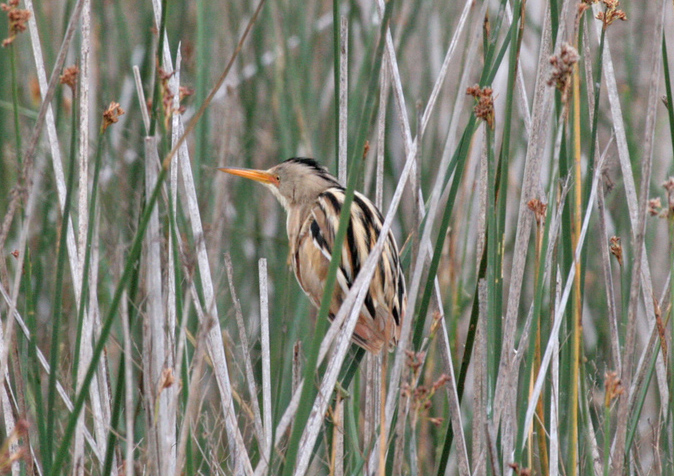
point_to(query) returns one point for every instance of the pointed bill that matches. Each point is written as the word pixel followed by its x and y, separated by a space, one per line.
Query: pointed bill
pixel 258 175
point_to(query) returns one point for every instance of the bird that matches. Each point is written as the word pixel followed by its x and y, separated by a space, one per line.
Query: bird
pixel 313 199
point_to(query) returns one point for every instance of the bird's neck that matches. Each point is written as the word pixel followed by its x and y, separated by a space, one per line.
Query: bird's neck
pixel 296 216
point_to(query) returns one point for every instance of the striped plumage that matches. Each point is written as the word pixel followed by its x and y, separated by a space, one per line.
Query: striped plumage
pixel 313 200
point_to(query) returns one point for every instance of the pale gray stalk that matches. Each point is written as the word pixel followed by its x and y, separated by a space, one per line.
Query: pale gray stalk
pixel 172 393
pixel 248 364
pixel 141 98
pixel 266 363
pixel 154 338
pixel 83 135
pixel 83 225
pixel 479 378
pixel 128 389
pixel 343 96
pixel 384 89
pixel 618 457
pixel 554 390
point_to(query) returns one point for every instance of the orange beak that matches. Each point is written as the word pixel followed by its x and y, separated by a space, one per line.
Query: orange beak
pixel 261 176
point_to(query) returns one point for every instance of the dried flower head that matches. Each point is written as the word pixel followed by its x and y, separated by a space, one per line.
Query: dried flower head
pixel 518 470
pixel 437 421
pixel 669 187
pixel 167 379
pixel 15 253
pixel 539 208
pixel 562 68
pixel 484 107
pixel 415 360
pixel 17 20
pixel 654 206
pixel 616 249
pixel 69 77
pixel 111 115
pixel 613 386
pixel 185 92
pixel 612 13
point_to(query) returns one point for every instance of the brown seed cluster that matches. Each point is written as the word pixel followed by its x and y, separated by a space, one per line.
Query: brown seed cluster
pixel 616 249
pixel 167 96
pixel 612 13
pixel 519 470
pixel 654 206
pixel 111 115
pixel 539 208
pixel 562 68
pixel 484 108
pixel 613 386
pixel 7 459
pixel 17 20
pixel 669 187
pixel 420 395
pixel 69 77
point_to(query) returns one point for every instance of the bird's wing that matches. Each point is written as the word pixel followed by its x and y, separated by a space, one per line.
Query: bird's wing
pixel 315 243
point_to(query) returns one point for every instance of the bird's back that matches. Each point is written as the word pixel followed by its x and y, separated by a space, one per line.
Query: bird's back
pixel 311 248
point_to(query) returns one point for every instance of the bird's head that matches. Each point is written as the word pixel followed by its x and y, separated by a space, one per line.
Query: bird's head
pixel 295 182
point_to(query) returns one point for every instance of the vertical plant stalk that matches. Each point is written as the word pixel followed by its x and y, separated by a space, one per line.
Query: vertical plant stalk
pixel 540 408
pixel 266 363
pixel 343 96
pixel 577 295
pixel 84 351
pixel 174 300
pixel 154 338
pixel 129 388
pixel 480 375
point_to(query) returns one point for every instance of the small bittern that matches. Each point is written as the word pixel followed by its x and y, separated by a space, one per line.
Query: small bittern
pixel 313 201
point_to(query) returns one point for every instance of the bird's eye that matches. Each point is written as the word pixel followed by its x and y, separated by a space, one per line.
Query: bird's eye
pixel 278 178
